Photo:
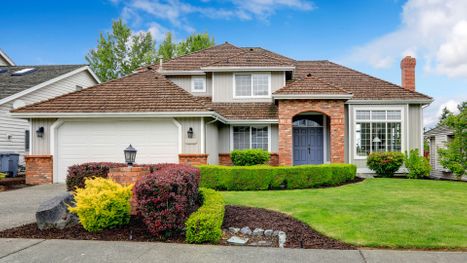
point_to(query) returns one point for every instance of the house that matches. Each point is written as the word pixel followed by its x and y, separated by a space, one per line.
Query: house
pixel 199 107
pixel 23 85
pixel 438 138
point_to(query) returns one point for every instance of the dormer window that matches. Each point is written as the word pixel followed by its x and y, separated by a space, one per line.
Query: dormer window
pixel 198 84
pixel 256 85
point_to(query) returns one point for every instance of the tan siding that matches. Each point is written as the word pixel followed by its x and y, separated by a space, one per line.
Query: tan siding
pixel 191 145
pixel 415 125
pixel 224 138
pixel 41 146
pixel 223 87
pixel 185 83
pixel 212 139
pixel 274 138
pixel 17 127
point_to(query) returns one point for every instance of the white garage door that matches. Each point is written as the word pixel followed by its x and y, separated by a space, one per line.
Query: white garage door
pixel 104 141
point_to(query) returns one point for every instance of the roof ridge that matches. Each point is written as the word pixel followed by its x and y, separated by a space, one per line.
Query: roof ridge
pixel 244 52
pixel 388 82
pixel 275 53
pixel 328 83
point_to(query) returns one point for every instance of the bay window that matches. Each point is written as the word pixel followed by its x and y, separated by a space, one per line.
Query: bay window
pixel 377 131
pixel 250 137
pixel 252 85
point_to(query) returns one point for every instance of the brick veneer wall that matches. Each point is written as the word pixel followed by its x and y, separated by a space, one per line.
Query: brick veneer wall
pixel 193 158
pixel 127 176
pixel 39 169
pixel 334 109
pixel 224 159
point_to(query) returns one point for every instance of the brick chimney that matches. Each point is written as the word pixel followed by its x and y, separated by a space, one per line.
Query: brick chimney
pixel 408 73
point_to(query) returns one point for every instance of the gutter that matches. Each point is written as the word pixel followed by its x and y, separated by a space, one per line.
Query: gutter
pixel 413 101
pixel 315 97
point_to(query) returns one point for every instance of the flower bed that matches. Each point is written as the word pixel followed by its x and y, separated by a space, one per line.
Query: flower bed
pixel 264 177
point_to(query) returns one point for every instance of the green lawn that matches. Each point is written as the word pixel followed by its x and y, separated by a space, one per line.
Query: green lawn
pixel 376 212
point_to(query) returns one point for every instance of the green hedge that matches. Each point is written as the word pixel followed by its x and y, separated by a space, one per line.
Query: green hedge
pixel 264 177
pixel 204 225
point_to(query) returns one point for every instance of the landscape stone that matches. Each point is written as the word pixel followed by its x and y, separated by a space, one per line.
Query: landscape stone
pixel 264 243
pixel 245 230
pixel 258 232
pixel 268 232
pixel 282 239
pixel 234 230
pixel 53 213
pixel 276 233
pixel 237 241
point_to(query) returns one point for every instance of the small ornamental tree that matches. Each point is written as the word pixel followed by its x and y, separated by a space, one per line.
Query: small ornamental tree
pixel 417 165
pixel 385 164
pixel 454 157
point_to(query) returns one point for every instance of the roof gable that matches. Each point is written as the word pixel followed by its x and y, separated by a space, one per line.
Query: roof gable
pixel 251 58
pixel 311 85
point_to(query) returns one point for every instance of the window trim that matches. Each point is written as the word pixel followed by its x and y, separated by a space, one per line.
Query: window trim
pixel 234 86
pixel 203 78
pixel 354 126
pixel 251 126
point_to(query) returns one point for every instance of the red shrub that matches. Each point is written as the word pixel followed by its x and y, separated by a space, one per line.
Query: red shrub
pixel 165 198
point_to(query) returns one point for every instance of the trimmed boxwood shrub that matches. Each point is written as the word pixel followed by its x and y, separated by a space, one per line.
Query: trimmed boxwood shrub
pixel 264 177
pixel 102 204
pixel 78 173
pixel 249 157
pixel 205 225
pixel 165 199
pixel 385 164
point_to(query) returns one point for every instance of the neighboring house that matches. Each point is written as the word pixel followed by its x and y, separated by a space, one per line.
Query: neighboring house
pixel 199 107
pixel 23 85
pixel 438 138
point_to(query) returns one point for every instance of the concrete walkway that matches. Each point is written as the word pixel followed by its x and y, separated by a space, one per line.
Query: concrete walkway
pixel 18 207
pixel 38 250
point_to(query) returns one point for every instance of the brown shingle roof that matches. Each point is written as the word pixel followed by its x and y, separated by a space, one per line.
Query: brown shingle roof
pixel 203 57
pixel 147 91
pixel 362 86
pixel 251 58
pixel 245 111
pixel 310 85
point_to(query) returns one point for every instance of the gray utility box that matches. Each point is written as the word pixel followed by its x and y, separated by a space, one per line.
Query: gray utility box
pixel 9 163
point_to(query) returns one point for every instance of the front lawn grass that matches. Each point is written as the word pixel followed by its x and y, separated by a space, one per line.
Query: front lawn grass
pixel 394 213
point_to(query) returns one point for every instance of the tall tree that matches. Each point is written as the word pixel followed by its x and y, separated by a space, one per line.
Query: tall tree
pixel 454 157
pixel 444 114
pixel 194 43
pixel 121 52
pixel 167 48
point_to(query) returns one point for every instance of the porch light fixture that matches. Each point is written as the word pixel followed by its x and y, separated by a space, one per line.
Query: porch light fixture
pixel 130 155
pixel 190 133
pixel 40 132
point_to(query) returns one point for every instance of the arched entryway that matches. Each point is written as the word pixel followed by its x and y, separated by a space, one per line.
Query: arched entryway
pixel 310 135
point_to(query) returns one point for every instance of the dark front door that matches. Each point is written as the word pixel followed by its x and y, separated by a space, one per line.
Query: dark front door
pixel 307 145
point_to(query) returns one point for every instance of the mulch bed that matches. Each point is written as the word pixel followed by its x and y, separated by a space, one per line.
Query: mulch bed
pixel 299 235
pixel 135 231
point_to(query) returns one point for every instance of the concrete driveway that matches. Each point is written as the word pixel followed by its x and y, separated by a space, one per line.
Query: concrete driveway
pixel 18 207
pixel 49 251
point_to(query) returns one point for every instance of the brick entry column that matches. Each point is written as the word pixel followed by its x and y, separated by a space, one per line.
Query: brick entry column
pixel 39 169
pixel 334 109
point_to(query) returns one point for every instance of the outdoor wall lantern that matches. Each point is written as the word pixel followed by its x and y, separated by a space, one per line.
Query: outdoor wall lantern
pixel 190 133
pixel 40 132
pixel 130 155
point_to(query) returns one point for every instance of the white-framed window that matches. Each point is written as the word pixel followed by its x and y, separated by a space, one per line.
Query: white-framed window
pixel 251 137
pixel 378 130
pixel 252 85
pixel 198 84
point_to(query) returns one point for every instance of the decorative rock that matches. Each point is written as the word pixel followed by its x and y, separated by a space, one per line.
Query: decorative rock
pixel 245 230
pixel 276 233
pixel 234 230
pixel 54 213
pixel 258 232
pixel 268 232
pixel 282 239
pixel 264 243
pixel 237 241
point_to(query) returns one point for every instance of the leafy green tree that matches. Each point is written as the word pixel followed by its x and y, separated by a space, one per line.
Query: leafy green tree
pixel 194 43
pixel 454 157
pixel 167 49
pixel 446 113
pixel 121 52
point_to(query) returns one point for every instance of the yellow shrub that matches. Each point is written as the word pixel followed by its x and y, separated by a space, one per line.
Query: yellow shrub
pixel 102 204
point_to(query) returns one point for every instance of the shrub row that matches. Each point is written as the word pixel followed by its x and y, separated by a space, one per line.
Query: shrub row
pixel 249 157
pixel 166 197
pixel 205 225
pixel 102 204
pixel 78 173
pixel 236 178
